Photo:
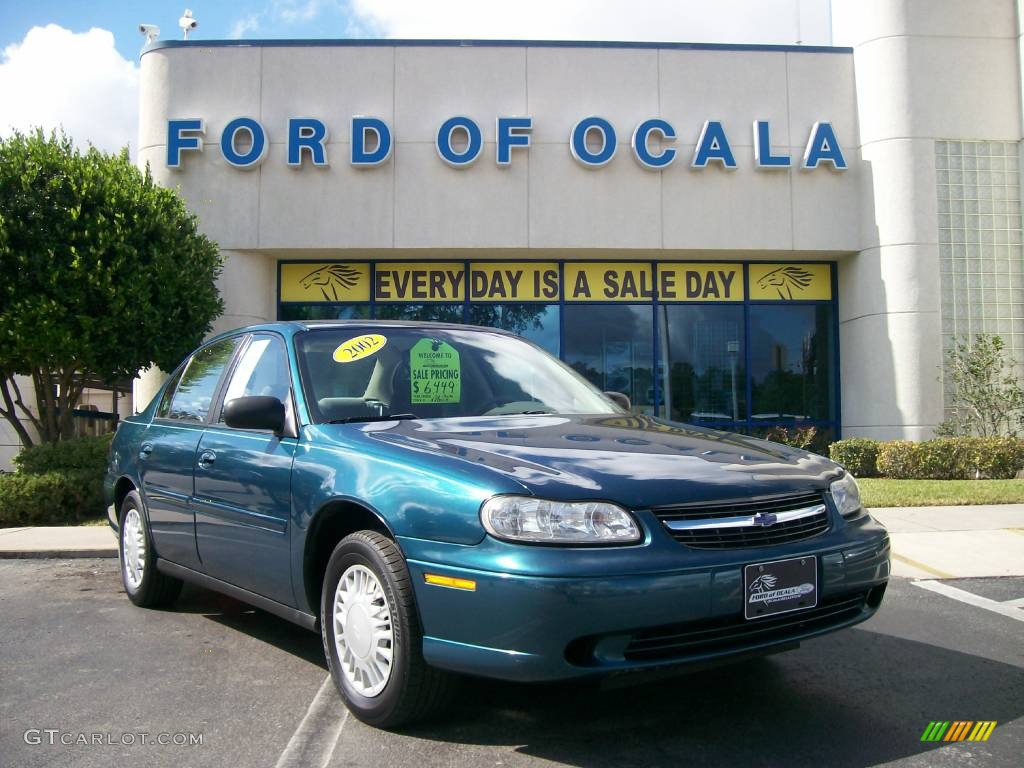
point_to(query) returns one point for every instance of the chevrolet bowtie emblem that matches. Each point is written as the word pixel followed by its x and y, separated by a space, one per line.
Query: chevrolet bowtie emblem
pixel 765 518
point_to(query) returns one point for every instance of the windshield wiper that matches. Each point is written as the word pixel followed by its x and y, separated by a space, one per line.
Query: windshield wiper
pixel 358 419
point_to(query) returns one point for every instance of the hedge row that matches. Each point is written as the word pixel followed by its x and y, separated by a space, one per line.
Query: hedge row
pixel 944 458
pixel 52 498
pixel 57 483
pixel 83 453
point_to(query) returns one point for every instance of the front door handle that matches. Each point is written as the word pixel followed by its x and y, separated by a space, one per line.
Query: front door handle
pixel 206 459
pixel 145 450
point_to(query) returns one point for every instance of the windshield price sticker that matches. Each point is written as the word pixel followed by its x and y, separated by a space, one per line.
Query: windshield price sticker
pixel 435 373
pixel 359 347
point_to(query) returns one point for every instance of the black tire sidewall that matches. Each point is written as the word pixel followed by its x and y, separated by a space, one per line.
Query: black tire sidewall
pixel 359 550
pixel 140 594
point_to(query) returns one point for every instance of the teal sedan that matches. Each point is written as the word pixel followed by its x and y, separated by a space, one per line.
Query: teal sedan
pixel 440 499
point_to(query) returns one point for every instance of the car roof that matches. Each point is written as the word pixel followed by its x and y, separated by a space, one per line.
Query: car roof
pixel 291 327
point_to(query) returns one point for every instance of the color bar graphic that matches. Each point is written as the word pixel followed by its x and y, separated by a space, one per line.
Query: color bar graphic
pixel 958 730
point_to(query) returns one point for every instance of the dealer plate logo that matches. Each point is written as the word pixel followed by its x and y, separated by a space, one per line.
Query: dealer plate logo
pixel 780 586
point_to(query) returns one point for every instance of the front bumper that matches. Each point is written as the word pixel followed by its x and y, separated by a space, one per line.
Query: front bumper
pixel 548 615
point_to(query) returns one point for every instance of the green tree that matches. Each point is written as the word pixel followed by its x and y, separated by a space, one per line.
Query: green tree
pixel 104 274
pixel 987 398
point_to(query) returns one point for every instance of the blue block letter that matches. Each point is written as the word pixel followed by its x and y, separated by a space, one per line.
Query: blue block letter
pixel 309 134
pixel 178 143
pixel 474 142
pixel 763 157
pixel 578 142
pixel 257 149
pixel 641 151
pixel 713 145
pixel 823 146
pixel 512 132
pixel 361 156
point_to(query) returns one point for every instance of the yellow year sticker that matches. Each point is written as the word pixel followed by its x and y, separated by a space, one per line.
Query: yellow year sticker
pixel 359 347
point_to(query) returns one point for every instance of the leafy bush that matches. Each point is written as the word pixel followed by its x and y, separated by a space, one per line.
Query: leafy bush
pixel 84 453
pixel 50 498
pixel 952 458
pixel 804 438
pixel 995 457
pixel 858 454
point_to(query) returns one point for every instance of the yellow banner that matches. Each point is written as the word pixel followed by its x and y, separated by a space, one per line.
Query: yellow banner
pixel 634 282
pixel 510 281
pixel 790 282
pixel 622 281
pixel 700 282
pixel 349 281
pixel 419 281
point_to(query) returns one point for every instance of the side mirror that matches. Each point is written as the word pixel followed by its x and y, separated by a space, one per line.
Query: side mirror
pixel 620 399
pixel 255 412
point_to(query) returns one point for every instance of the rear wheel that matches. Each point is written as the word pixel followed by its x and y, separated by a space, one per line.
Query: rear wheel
pixel 145 585
pixel 372 636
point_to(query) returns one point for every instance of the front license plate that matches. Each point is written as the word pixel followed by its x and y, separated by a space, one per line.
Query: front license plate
pixel 780 586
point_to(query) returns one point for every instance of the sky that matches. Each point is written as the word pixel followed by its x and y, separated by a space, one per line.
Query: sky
pixel 75 64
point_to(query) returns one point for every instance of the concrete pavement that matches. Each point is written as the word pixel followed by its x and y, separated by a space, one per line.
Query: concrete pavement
pixel 955 542
pixel 928 542
pixel 58 541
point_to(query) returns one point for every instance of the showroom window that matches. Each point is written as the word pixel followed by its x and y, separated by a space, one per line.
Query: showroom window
pixel 612 346
pixel 538 323
pixel 703 370
pixel 792 364
pixel 747 347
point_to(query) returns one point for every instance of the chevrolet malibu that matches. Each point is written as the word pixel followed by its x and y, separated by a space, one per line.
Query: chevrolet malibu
pixel 438 499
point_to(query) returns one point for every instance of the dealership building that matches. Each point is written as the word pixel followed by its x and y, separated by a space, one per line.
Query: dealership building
pixel 744 236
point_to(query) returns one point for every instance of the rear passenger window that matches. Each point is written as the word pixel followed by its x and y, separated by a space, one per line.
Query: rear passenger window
pixel 165 402
pixel 192 398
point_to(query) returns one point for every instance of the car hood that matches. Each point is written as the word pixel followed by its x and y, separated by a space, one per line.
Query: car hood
pixel 635 460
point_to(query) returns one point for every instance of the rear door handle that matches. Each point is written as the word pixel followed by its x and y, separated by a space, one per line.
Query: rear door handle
pixel 145 450
pixel 206 459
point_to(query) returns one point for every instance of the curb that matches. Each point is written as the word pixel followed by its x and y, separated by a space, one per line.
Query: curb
pixel 56 554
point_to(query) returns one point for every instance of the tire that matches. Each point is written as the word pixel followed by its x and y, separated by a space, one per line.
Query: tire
pixel 381 615
pixel 145 585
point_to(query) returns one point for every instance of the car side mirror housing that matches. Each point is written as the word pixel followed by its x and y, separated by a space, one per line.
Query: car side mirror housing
pixel 620 399
pixel 255 412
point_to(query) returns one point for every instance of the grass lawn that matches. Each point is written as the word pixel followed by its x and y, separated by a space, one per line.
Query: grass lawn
pixel 877 492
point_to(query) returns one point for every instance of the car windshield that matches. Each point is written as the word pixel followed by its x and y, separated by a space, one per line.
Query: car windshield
pixel 364 373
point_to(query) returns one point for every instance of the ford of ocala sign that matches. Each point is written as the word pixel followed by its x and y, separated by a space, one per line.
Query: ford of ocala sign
pixel 592 142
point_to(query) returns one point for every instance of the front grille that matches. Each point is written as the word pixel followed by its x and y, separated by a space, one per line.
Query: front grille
pixel 734 633
pixel 732 534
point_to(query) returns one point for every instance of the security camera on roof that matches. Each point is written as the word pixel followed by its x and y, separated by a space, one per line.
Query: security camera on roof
pixel 150 31
pixel 186 22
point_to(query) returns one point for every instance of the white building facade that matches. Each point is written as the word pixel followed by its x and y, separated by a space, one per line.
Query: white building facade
pixel 743 236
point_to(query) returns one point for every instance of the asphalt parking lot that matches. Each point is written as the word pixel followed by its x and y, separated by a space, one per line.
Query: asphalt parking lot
pixel 79 663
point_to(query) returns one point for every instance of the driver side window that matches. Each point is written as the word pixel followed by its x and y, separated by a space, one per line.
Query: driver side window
pixel 261 370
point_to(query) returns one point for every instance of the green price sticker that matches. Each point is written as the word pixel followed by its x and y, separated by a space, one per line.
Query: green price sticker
pixel 435 373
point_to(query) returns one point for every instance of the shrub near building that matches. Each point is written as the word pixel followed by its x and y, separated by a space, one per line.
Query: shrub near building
pixel 57 483
pixel 945 458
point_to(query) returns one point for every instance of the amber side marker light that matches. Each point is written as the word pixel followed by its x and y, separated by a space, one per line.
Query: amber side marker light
pixel 450 581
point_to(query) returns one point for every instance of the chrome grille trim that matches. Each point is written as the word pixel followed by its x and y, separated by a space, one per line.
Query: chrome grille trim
pixel 743 522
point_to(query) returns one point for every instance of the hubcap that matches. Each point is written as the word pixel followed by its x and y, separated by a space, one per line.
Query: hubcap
pixel 133 548
pixel 363 635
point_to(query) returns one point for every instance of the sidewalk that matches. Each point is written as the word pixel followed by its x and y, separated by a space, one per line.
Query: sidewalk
pixel 955 542
pixel 927 542
pixel 58 541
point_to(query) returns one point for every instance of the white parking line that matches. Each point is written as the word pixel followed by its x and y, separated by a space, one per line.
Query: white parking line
pixel 314 740
pixel 1004 609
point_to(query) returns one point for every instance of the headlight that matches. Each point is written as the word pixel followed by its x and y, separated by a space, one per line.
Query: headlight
pixel 846 495
pixel 523 518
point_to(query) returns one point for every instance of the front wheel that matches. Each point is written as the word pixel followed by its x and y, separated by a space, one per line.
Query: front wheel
pixel 372 635
pixel 145 585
